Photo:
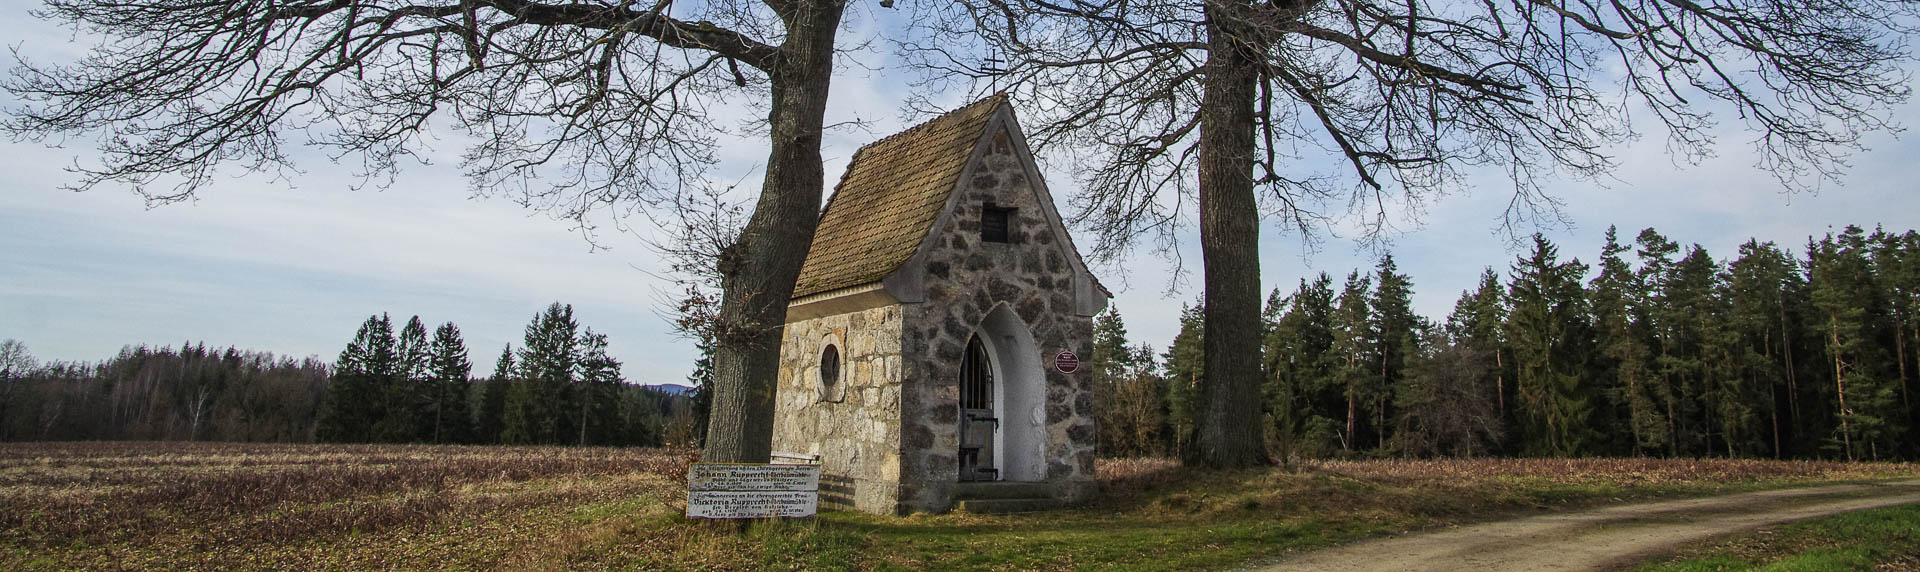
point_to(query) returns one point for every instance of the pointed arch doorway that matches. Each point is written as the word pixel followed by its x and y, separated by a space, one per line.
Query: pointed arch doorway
pixel 1002 412
pixel 979 424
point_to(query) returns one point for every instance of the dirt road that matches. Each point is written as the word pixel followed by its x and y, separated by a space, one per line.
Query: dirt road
pixel 1600 539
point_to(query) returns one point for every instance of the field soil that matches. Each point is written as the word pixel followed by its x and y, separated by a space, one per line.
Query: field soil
pixel 1601 539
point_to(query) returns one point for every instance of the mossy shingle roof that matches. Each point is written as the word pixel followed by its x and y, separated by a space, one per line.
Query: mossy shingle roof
pixel 889 198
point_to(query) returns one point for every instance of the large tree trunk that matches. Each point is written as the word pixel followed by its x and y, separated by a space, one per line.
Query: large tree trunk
pixel 1228 432
pixel 758 271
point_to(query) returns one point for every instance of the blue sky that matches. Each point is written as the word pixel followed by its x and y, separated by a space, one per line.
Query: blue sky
pixel 292 266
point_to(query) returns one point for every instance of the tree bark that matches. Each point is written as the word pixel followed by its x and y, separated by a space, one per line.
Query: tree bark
pixel 1228 430
pixel 1352 436
pixel 1380 401
pixel 1773 399
pixel 1900 350
pixel 1634 411
pixel 1500 383
pixel 1840 388
pixel 1773 391
pixel 1786 353
pixel 758 271
pixel 1380 422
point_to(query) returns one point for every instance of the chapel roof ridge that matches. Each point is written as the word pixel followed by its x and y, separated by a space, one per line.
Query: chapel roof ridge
pixel 997 98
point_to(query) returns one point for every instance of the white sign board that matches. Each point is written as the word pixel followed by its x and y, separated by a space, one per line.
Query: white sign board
pixel 730 490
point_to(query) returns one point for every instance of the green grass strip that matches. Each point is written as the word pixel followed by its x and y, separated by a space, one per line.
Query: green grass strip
pixel 1865 540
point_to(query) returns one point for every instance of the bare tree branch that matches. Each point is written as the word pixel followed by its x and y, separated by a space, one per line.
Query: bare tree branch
pixel 1408 94
pixel 574 107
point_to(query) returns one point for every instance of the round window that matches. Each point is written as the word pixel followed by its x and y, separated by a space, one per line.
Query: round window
pixel 830 374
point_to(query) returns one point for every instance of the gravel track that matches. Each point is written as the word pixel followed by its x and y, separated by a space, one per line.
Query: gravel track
pixel 1599 539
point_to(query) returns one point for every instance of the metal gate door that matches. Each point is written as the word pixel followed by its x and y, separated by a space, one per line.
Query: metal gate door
pixel 977 420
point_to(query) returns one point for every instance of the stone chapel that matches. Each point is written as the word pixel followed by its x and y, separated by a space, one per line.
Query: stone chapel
pixel 921 362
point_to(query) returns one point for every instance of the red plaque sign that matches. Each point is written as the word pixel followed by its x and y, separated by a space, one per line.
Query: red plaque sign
pixel 1066 361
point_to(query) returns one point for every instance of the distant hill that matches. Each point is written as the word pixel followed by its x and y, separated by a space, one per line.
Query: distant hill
pixel 670 389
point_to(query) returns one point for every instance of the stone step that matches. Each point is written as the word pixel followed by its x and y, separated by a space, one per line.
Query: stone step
pixel 1004 506
pixel 1004 490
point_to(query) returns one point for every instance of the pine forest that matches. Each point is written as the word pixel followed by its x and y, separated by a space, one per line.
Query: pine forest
pixel 1652 349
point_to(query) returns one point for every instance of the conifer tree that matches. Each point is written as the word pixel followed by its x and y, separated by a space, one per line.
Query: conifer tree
pixel 1627 360
pixel 1688 312
pixel 701 401
pixel 1396 338
pixel 1551 341
pixel 1303 397
pixel 1845 294
pixel 640 416
pixel 402 418
pixel 1655 253
pixel 1110 349
pixel 353 403
pixel 413 351
pixel 1186 370
pixel 1479 321
pixel 536 408
pixel 1353 349
pixel 1280 391
pixel 1108 365
pixel 597 392
pixel 449 384
pixel 341 415
pixel 489 417
pixel 1896 262
pixel 383 360
pixel 1710 357
pixel 1758 285
pixel 518 424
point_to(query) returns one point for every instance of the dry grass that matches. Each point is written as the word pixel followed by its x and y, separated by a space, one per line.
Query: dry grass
pixel 234 506
pixel 207 498
pixel 1452 490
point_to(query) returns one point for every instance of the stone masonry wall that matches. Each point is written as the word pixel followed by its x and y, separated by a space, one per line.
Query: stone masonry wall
pixel 965 279
pixel 858 437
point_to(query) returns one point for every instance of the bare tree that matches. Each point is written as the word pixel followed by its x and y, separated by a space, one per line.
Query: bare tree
pixel 1404 96
pixel 16 363
pixel 1444 408
pixel 575 107
pixel 201 399
pixel 15 360
pixel 1137 406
